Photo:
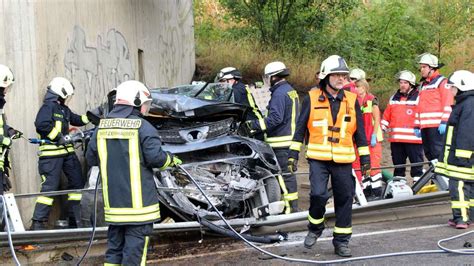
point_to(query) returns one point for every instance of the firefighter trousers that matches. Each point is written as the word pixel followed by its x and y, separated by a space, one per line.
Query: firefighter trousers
pixel 432 142
pixel 343 188
pixel 462 200
pixel 50 171
pixel 127 244
pixel 289 186
pixel 400 152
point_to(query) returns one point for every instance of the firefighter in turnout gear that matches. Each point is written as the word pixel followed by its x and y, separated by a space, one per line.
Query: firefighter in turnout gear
pixel 279 126
pixel 330 122
pixel 126 148
pixel 242 94
pixel 6 133
pixel 434 106
pixel 402 126
pixel 52 124
pixel 457 158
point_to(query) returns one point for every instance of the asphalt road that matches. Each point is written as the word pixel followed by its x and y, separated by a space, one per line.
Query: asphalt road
pixel 410 234
pixel 388 230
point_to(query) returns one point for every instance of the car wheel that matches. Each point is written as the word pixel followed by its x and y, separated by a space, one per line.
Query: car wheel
pixel 273 189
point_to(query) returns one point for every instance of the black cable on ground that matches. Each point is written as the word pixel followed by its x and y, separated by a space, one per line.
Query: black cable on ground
pixel 444 250
pixel 268 239
pixel 94 223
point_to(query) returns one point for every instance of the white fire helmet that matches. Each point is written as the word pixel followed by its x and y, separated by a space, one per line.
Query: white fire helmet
pixel 333 64
pixel 408 76
pixel 357 74
pixel 462 79
pixel 429 59
pixel 228 73
pixel 61 87
pixel 276 68
pixel 133 93
pixel 6 76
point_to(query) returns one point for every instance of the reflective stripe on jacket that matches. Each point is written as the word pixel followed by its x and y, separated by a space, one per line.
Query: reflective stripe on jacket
pixel 126 150
pixel 366 106
pixel 330 141
pixel 399 118
pixel 5 140
pixel 243 95
pixel 283 111
pixel 52 122
pixel 457 157
pixel 435 101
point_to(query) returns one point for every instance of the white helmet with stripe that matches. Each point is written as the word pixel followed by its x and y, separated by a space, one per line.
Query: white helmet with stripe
pixel 332 65
pixel 462 79
pixel 61 87
pixel 133 93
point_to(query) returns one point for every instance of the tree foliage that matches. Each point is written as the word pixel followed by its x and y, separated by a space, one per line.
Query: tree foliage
pixel 449 21
pixel 289 23
pixel 380 36
pixel 381 40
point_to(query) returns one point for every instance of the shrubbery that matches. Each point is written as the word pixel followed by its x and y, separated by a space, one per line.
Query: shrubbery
pixel 382 38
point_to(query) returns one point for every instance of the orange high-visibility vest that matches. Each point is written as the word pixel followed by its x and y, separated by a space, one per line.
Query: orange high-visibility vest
pixel 329 141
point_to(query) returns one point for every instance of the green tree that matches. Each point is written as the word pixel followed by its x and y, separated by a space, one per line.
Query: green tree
pixel 293 23
pixel 449 21
pixel 381 39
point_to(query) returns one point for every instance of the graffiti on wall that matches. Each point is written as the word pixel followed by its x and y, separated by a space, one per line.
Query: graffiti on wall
pixel 98 69
pixel 175 43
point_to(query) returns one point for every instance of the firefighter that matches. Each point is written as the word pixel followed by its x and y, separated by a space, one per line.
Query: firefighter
pixel 371 115
pixel 7 133
pixel 279 126
pixel 331 121
pixel 242 93
pixel 127 148
pixel 457 158
pixel 403 128
pixel 434 105
pixel 52 124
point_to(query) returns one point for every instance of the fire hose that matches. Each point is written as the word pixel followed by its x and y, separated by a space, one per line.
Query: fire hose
pixel 443 249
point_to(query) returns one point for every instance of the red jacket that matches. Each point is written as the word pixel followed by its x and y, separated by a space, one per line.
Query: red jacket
pixel 366 107
pixel 399 118
pixel 435 102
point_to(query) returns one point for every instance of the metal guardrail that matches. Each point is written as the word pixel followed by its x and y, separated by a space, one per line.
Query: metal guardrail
pixel 48 236
pixel 101 232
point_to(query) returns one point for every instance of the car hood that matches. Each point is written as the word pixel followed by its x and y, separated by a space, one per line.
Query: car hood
pixel 182 106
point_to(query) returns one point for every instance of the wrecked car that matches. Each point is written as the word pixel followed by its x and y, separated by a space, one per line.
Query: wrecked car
pixel 201 124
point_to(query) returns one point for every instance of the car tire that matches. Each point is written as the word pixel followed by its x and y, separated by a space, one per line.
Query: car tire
pixel 273 189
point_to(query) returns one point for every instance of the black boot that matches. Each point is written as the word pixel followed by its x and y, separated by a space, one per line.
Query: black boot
pixel 38 225
pixel 74 215
pixel 310 239
pixel 72 222
pixel 343 250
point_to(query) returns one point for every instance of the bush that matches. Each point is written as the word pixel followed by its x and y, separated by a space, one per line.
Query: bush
pixel 250 58
pixel 382 38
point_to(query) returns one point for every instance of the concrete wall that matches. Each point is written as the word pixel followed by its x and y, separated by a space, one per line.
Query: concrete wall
pixel 94 43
